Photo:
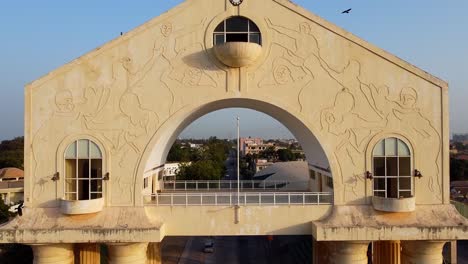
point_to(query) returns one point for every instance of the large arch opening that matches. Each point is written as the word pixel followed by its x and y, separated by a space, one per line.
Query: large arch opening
pixel 155 158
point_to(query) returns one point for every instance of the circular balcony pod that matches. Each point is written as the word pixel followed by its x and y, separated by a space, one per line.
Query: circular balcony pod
pixel 237 54
pixel 77 207
pixel 394 205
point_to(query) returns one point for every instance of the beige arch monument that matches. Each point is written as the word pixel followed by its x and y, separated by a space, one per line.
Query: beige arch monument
pixel 339 95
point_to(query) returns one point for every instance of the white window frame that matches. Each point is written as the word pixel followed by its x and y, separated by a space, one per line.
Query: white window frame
pixel 99 194
pixel 225 32
pixel 398 176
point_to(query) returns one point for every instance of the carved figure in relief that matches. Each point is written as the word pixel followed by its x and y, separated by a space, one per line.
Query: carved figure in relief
pixel 303 50
pixel 95 94
pixel 350 78
pixel 166 29
pixel 64 119
pixel 285 77
pixel 352 132
pixel 428 138
pixel 129 129
pixel 180 76
pixel 64 102
pixel 341 120
pixel 284 73
pixel 174 41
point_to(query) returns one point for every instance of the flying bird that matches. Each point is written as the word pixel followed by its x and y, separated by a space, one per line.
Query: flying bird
pixel 347 11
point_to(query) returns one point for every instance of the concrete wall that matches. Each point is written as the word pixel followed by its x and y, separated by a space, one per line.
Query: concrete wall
pixel 220 221
pixel 336 93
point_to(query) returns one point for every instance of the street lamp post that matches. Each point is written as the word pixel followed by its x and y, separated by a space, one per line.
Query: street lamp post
pixel 238 161
pixel 237 207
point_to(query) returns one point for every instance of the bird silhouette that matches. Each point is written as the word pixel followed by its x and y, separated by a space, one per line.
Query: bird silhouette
pixel 347 11
pixel 20 209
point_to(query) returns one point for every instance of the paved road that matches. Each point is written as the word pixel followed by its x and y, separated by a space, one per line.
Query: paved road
pixel 249 250
pixel 172 249
pixel 231 166
pixel 246 250
pixel 227 250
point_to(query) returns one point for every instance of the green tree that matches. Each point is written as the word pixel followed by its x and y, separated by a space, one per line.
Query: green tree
pixel 269 154
pixel 458 170
pixel 207 162
pixel 200 170
pixel 4 213
pixel 12 153
pixel 286 155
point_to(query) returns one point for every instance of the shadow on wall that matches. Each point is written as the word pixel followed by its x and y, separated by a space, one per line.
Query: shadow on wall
pixel 200 60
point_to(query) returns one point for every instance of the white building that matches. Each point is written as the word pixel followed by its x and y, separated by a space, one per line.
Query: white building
pixel 11 185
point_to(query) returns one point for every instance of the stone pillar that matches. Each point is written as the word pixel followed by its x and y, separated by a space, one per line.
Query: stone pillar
pixel 453 252
pixel 350 252
pixel 127 253
pixel 53 253
pixel 87 253
pixel 422 252
pixel 154 253
pixel 386 252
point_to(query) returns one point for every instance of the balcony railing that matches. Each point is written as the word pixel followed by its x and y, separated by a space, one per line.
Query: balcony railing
pixel 11 184
pixel 245 199
pixel 231 185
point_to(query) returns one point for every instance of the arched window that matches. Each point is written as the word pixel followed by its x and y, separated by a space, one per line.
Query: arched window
pixel 83 171
pixel 392 164
pixel 237 29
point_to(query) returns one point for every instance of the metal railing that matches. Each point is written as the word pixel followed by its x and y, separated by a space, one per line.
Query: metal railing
pixel 229 185
pixel 246 198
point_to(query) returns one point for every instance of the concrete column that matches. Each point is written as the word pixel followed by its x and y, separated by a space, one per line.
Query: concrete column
pixel 127 253
pixel 453 252
pixel 154 253
pixel 386 252
pixel 422 252
pixel 53 254
pixel 87 253
pixel 350 252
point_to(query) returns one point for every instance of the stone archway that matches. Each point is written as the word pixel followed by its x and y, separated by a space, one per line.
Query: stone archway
pixel 156 152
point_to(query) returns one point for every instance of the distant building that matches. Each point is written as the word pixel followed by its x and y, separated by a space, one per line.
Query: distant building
pixel 262 164
pixel 245 143
pixel 170 170
pixel 291 176
pixel 195 146
pixel 321 179
pixel 11 185
pixel 453 149
pixel 460 138
pixel 462 157
pixel 459 191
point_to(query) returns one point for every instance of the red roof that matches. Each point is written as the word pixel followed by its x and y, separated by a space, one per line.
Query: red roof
pixel 11 173
pixel 462 157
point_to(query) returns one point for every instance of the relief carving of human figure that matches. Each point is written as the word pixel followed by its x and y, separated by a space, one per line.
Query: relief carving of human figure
pixel 303 50
pixel 65 119
pixel 403 113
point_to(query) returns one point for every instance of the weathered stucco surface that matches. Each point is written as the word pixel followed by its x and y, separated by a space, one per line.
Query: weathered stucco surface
pixel 363 223
pixel 49 225
pixel 336 93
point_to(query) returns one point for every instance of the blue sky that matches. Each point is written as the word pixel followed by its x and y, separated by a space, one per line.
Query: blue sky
pixel 39 36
